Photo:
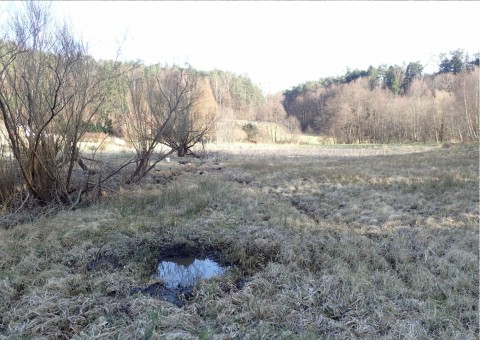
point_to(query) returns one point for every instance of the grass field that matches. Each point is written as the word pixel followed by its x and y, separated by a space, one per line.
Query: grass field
pixel 331 242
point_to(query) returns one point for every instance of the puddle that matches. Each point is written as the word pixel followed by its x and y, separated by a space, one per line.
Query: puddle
pixel 184 271
pixel 176 276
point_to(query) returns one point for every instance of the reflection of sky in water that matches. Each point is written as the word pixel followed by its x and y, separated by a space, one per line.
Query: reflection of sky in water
pixel 183 271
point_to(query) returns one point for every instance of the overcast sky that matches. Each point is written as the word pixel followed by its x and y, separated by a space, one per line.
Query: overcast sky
pixel 277 44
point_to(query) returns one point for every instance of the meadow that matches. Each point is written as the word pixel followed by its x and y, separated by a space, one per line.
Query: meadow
pixel 334 241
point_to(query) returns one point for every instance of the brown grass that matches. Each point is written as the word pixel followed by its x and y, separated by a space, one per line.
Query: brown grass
pixel 332 242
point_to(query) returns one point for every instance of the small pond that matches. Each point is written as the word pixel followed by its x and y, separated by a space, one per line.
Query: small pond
pixel 184 271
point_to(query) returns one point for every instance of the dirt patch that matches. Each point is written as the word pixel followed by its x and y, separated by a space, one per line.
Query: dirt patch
pixel 177 296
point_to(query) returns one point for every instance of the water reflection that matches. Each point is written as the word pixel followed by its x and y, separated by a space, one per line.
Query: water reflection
pixel 184 271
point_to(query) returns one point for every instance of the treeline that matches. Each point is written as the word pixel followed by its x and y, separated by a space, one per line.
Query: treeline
pixel 388 104
pixel 236 97
pixel 241 102
pixel 381 104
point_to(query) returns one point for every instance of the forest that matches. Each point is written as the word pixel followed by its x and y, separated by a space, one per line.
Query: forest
pixel 383 104
pixel 393 104
pixel 380 105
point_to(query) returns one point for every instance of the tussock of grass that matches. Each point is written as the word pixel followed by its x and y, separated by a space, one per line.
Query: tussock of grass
pixel 329 242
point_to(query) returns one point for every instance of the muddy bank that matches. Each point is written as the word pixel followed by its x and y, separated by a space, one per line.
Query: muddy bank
pixel 177 296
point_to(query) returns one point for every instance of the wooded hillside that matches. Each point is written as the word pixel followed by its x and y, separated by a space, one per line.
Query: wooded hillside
pixel 393 104
pixel 383 104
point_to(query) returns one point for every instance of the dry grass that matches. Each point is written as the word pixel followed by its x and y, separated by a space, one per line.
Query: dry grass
pixel 10 180
pixel 7 181
pixel 332 242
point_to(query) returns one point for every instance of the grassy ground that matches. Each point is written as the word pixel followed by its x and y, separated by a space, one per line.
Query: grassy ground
pixel 332 242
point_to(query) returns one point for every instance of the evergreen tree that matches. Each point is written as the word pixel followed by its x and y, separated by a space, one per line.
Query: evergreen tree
pixel 414 70
pixel 454 64
pixel 394 78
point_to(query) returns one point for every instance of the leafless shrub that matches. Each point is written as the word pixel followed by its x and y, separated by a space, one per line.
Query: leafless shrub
pixel 164 114
pixel 50 90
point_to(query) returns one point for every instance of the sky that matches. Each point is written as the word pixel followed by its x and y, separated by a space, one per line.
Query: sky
pixel 278 44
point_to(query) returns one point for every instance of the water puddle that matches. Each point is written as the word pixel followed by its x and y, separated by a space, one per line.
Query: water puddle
pixel 177 277
pixel 184 271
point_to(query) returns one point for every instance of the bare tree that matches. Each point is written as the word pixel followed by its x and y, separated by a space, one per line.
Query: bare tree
pixel 165 114
pixel 145 120
pixel 49 90
pixel 467 91
pixel 197 121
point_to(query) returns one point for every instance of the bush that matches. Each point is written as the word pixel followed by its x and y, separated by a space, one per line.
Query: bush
pixel 251 131
pixel 100 127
